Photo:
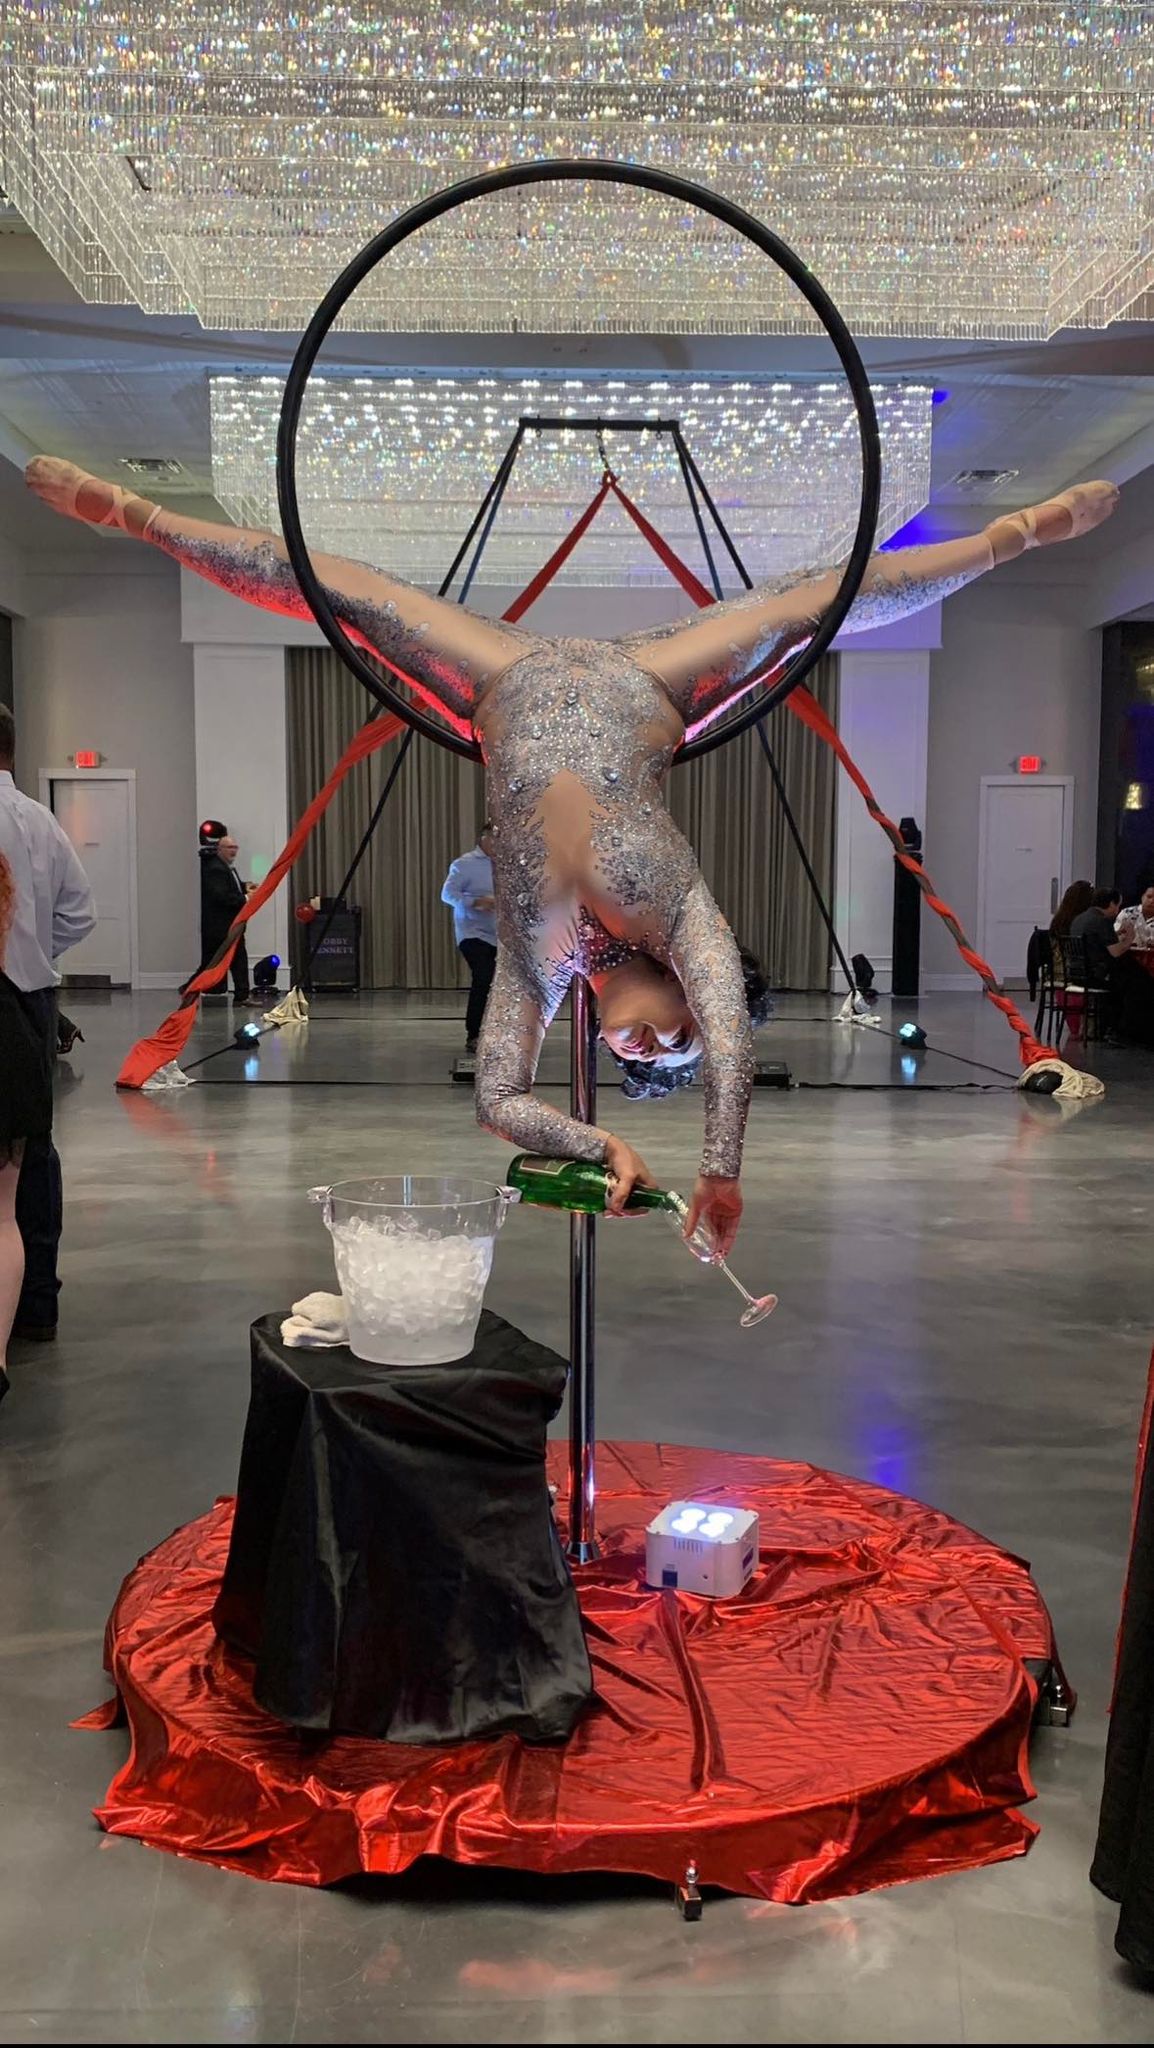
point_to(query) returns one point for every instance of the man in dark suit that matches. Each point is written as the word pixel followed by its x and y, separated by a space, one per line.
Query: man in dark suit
pixel 222 894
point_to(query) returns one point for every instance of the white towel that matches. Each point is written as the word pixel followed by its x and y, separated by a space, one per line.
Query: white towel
pixel 292 1009
pixel 317 1323
pixel 168 1076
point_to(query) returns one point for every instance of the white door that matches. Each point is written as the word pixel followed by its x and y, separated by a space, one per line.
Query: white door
pixel 97 816
pixel 1023 863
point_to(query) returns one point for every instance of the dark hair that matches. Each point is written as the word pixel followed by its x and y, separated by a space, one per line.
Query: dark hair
pixel 7 735
pixel 1103 898
pixel 649 1080
pixel 1078 897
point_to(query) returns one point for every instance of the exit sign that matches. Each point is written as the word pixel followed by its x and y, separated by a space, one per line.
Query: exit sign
pixel 87 760
pixel 1029 764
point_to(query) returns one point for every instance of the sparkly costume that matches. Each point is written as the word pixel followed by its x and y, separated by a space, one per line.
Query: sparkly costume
pixel 577 737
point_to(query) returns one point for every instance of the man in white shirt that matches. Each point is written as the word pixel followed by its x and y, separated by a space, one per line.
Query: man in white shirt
pixel 468 891
pixel 53 910
pixel 1139 920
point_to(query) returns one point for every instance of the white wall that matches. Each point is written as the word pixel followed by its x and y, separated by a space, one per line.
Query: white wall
pixel 99 663
pixel 1017 673
pixel 13 578
pixel 211 616
pixel 883 712
pixel 242 768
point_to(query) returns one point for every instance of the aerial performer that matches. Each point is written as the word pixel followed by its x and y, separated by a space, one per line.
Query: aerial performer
pixel 591 876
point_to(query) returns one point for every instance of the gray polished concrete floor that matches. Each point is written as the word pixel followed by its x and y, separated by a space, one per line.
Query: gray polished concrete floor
pixel 965 1315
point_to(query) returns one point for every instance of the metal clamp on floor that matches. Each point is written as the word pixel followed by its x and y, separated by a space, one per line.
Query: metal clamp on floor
pixel 689 1901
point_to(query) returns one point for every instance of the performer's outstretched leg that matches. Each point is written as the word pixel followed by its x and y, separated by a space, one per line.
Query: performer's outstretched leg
pixel 710 661
pixel 444 652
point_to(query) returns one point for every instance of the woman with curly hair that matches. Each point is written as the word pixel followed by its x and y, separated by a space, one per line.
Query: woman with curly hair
pixel 25 1112
pixel 591 875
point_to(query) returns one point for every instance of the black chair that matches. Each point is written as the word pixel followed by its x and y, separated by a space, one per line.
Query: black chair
pixel 1040 965
pixel 1075 993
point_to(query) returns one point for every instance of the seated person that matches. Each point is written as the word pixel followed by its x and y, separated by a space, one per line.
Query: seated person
pixel 1139 919
pixel 1130 1009
pixel 1042 956
pixel 1078 897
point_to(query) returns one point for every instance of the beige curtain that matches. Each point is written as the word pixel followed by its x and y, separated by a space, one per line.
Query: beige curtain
pixel 434 813
pixel 725 804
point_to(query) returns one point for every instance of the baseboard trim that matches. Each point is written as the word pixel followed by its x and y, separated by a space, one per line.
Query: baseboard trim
pixel 174 978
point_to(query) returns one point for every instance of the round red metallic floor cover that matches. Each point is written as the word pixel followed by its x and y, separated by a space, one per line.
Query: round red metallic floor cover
pixel 858 1716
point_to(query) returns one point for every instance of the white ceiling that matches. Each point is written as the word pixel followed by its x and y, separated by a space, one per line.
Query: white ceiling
pixel 97 384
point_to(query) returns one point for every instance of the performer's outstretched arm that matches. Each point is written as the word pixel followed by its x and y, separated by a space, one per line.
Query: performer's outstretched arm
pixel 511 1035
pixel 704 956
pixel 443 652
pixel 711 661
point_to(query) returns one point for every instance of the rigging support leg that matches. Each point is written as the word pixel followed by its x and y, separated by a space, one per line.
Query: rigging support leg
pixel 582 1545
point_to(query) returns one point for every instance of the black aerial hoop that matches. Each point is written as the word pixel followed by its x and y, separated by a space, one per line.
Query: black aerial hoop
pixel 596 171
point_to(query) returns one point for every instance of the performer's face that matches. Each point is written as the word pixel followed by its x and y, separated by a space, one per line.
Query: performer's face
pixel 644 1014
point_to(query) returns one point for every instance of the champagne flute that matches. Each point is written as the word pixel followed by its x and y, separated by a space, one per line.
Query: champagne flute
pixel 757 1307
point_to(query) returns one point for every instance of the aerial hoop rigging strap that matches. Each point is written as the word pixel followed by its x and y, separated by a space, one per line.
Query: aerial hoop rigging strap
pixel 806 707
pixel 148 1055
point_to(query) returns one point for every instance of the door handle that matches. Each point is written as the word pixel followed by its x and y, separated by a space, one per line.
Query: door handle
pixel 1053 894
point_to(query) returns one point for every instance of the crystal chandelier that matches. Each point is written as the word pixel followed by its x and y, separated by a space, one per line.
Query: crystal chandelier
pixel 945 169
pixel 392 469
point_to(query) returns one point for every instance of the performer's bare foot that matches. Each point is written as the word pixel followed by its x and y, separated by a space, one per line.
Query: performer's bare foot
pixel 1065 517
pixel 76 495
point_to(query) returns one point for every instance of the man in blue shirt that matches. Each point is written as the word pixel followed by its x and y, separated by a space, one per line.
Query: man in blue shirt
pixel 468 891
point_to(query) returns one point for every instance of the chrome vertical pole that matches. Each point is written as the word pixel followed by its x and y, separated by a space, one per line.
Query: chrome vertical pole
pixel 582 1546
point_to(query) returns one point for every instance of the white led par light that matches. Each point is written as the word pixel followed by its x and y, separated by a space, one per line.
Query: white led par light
pixel 702 1547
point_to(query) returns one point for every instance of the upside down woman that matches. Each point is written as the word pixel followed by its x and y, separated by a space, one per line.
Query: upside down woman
pixel 591 875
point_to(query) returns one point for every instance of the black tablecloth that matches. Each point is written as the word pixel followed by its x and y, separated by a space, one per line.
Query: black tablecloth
pixel 1124 1859
pixel 394 1568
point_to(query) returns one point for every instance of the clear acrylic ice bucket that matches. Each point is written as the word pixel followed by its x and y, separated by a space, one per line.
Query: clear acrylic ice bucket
pixel 413 1255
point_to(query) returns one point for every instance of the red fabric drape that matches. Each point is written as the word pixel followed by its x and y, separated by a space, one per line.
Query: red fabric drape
pixel 807 708
pixel 148 1055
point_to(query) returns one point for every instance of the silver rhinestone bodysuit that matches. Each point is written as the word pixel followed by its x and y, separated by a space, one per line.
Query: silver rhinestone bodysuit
pixel 578 736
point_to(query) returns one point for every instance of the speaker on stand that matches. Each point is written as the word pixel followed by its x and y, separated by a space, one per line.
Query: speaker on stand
pixel 907 939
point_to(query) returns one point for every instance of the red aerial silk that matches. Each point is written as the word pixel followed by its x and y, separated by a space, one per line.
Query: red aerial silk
pixel 148 1055
pixel 807 708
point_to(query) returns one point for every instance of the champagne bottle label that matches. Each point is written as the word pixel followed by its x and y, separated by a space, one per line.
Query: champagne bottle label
pixel 542 1167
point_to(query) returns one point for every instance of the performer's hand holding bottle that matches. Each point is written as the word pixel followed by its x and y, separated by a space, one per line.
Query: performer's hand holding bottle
pixel 627 1170
pixel 716 1206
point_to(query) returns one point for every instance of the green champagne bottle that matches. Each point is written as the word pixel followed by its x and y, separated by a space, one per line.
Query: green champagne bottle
pixel 578 1184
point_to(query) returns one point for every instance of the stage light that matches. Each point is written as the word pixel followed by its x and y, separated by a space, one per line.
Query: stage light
pixel 696 1548
pixel 863 973
pixel 246 1034
pixel 264 973
pixel 706 1522
pixel 913 1036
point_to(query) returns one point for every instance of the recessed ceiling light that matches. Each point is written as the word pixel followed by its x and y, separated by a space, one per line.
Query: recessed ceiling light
pixel 975 482
pixel 158 468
